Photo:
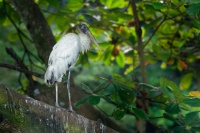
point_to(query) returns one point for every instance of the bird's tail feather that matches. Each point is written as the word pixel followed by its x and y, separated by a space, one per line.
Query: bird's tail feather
pixel 54 73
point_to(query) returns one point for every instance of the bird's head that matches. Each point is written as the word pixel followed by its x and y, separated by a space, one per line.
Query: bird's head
pixel 82 28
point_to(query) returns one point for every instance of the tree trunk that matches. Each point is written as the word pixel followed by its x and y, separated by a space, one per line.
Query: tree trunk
pixel 29 115
pixel 37 26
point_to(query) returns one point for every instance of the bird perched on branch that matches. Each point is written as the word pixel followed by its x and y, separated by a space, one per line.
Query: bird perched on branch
pixel 64 56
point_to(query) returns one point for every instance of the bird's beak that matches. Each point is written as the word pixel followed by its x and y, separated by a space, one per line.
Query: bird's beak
pixel 89 34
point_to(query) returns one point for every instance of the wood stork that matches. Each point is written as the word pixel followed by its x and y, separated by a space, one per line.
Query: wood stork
pixel 64 56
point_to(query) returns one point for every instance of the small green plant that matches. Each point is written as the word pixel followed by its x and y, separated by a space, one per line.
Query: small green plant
pixel 181 109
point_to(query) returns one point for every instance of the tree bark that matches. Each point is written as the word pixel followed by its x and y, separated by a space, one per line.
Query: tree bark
pixel 141 102
pixel 30 115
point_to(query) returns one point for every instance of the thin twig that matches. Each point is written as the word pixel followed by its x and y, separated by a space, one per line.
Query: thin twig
pixel 140 47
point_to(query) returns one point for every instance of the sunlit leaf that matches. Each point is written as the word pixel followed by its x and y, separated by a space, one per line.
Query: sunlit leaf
pixel 186 81
pixel 128 70
pixel 194 94
pixel 113 3
pixel 163 65
pixel 118 114
pixel 94 100
pixel 140 113
pixel 120 59
pixel 74 5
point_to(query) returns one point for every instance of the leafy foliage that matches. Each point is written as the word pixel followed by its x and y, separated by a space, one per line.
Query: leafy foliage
pixel 176 109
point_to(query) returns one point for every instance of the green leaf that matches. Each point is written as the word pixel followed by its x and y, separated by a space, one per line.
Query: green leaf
pixel 167 92
pixel 94 100
pixel 170 117
pixel 126 97
pixel 196 128
pixel 196 23
pixel 153 23
pixel 12 37
pixel 170 84
pixel 140 113
pixel 194 102
pixel 186 81
pixel 121 80
pixel 74 5
pixel 158 6
pixel 51 18
pixel 92 54
pixel 82 101
pixel 113 3
pixel 179 129
pixel 106 58
pixel 120 59
pixel 108 89
pixel 193 10
pixel 119 114
pixel 53 3
pixel 172 108
pixel 146 86
pixel 191 117
pixel 86 88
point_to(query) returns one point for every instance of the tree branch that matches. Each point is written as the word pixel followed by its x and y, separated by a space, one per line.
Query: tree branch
pixel 21 70
pixel 140 47
pixel 140 103
pixel 25 111
pixel 12 53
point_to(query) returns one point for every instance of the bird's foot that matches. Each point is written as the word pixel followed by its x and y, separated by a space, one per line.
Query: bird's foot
pixel 71 110
pixel 57 105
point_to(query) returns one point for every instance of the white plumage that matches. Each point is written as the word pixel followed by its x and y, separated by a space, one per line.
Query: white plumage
pixel 64 56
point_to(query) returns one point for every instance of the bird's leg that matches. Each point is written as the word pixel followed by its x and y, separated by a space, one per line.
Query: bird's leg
pixel 56 85
pixel 68 89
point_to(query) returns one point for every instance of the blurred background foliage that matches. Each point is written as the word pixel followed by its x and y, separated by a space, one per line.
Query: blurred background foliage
pixel 112 77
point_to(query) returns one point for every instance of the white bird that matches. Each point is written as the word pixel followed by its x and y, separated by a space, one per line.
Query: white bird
pixel 64 56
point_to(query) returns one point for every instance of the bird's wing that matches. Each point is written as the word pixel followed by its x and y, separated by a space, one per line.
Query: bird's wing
pixel 63 57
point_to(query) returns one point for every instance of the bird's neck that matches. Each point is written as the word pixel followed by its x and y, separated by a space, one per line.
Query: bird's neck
pixel 84 42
